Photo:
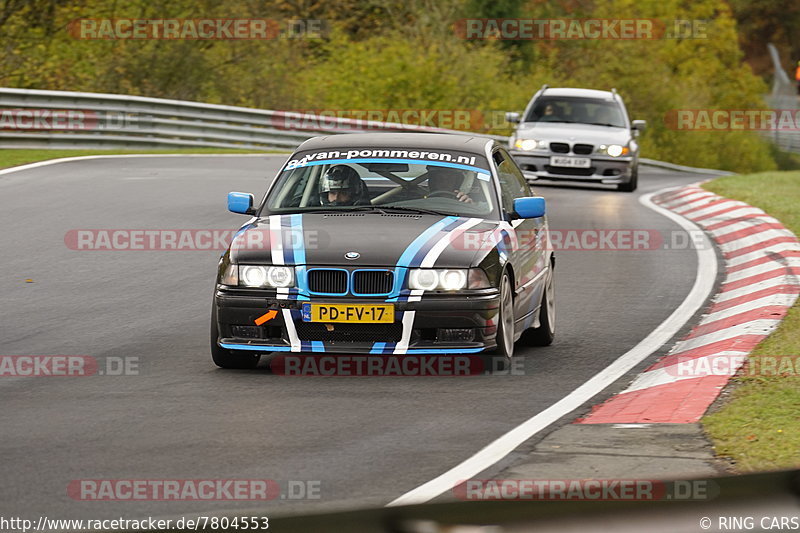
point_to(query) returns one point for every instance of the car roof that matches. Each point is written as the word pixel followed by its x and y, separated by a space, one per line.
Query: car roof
pixel 584 93
pixel 438 141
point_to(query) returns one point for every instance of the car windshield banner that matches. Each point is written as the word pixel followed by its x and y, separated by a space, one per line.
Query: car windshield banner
pixel 464 160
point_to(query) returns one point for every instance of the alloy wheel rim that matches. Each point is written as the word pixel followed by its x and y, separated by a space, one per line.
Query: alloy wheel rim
pixel 507 315
pixel 551 305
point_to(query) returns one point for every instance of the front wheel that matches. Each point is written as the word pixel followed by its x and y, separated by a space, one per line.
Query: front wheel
pixel 501 358
pixel 633 183
pixel 546 332
pixel 228 358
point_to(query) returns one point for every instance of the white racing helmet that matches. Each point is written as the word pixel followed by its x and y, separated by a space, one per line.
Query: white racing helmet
pixel 342 178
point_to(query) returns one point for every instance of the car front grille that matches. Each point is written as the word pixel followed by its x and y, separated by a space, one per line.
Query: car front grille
pixel 314 331
pixel 366 282
pixel 327 281
pixel 583 149
pixel 559 148
pixel 568 171
pixel 372 282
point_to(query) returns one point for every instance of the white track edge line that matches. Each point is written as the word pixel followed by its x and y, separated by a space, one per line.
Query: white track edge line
pixel 505 444
pixel 30 166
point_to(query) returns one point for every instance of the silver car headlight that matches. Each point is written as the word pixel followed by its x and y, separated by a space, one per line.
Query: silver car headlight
pixel 276 277
pixel 614 150
pixel 530 144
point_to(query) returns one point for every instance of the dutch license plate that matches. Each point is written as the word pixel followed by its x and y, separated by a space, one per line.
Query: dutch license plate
pixel 571 162
pixel 359 313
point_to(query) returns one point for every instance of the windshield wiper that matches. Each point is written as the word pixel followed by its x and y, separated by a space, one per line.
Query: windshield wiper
pixel 604 124
pixel 374 209
pixel 420 210
pixel 344 209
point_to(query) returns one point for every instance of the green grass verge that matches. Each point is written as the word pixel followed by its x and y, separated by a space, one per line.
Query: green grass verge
pixel 759 426
pixel 13 157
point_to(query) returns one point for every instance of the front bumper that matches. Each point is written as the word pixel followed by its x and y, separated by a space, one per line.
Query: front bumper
pixel 604 169
pixel 421 327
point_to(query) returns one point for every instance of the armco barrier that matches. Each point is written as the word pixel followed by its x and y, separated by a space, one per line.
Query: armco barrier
pixel 137 122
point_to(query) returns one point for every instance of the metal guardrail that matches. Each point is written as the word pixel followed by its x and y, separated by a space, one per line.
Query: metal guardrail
pixel 762 497
pixel 787 140
pixel 683 168
pixel 784 96
pixel 106 121
pixel 113 121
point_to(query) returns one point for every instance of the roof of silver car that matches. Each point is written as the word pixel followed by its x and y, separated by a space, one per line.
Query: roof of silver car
pixel 585 93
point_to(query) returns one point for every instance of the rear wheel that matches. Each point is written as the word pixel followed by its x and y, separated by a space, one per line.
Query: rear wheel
pixel 546 332
pixel 228 358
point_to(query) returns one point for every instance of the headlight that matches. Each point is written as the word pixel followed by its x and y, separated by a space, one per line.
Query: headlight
pixel 426 280
pixel 530 144
pixel 280 276
pixel 266 276
pixel 452 280
pixel 614 150
pixel 447 279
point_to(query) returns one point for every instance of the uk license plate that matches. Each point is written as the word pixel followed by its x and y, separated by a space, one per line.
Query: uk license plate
pixel 570 162
pixel 358 313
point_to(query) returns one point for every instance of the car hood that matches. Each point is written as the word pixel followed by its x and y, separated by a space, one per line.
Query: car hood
pixel 378 239
pixel 573 133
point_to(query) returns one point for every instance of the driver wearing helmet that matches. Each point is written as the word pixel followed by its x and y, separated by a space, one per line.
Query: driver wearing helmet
pixel 446 181
pixel 341 186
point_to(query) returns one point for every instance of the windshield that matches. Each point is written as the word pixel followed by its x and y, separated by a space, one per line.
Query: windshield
pixel 413 185
pixel 578 110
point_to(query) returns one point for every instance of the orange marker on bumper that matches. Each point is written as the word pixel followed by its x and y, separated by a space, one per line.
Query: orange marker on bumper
pixel 266 317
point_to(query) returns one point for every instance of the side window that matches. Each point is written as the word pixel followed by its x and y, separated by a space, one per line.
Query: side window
pixel 292 188
pixel 512 182
pixel 297 188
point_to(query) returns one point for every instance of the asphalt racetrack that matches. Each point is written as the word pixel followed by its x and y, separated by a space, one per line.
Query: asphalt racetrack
pixel 358 440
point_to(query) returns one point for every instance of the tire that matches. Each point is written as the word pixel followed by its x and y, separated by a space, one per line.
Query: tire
pixel 501 358
pixel 546 332
pixel 633 183
pixel 228 358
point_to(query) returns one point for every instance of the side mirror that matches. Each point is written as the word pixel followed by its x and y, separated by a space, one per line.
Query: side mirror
pixel 512 117
pixel 240 202
pixel 530 207
pixel 639 125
